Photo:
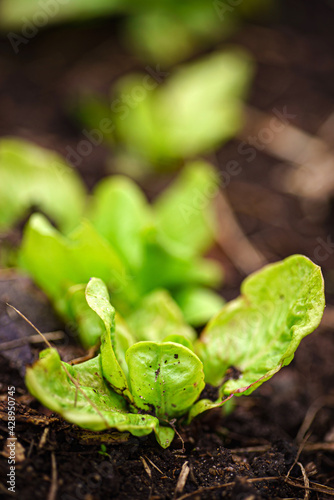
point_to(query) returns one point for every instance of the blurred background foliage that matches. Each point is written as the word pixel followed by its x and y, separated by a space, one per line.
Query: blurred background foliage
pixel 142 88
pixel 167 31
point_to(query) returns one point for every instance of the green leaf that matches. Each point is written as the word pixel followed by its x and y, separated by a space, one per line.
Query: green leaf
pixel 74 260
pixel 121 213
pixel 97 297
pixel 95 406
pixel 123 341
pixel 171 32
pixel 200 105
pixel 204 405
pixel 197 108
pixel 165 267
pixel 88 324
pixel 14 13
pixel 258 332
pixel 198 304
pixel 35 177
pixel 165 378
pixel 185 212
pixel 179 339
pixel 158 316
pixel 92 255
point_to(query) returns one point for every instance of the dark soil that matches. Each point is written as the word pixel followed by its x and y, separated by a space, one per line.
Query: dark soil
pixel 247 453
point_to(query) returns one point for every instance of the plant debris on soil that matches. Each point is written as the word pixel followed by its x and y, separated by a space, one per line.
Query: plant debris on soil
pixel 276 443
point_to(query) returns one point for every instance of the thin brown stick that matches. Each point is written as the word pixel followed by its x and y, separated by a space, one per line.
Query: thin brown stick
pixel 311 414
pixel 233 241
pixel 146 467
pixel 153 465
pixel 90 354
pixel 308 448
pixel 31 324
pixel 43 437
pixel 63 365
pixel 306 482
pixel 181 482
pixel 54 479
pixel 310 156
pixel 31 339
pixel 291 482
pixel 172 424
pixel 252 449
pixel 300 449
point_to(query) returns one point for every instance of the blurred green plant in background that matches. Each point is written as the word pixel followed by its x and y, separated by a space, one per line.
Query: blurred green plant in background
pixel 167 31
pixel 194 111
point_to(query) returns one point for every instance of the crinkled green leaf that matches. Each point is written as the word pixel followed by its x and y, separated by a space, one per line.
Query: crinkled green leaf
pixel 35 177
pixel 185 212
pixel 258 332
pixel 49 382
pixel 158 316
pixel 97 297
pixel 98 408
pixel 121 213
pixel 165 378
pixel 199 304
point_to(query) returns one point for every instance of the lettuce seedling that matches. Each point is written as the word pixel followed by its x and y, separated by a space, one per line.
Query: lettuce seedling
pixel 195 110
pixel 134 247
pixel 148 385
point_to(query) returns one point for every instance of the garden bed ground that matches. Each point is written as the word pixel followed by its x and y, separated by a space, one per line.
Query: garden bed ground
pixel 258 451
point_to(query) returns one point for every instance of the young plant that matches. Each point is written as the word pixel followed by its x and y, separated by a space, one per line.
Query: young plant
pixel 146 386
pixel 196 109
pixel 134 247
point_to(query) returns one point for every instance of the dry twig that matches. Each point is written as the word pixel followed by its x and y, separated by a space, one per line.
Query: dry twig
pixel 306 482
pixel 234 242
pixel 311 414
pixel 181 482
pixel 146 467
pixel 54 478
